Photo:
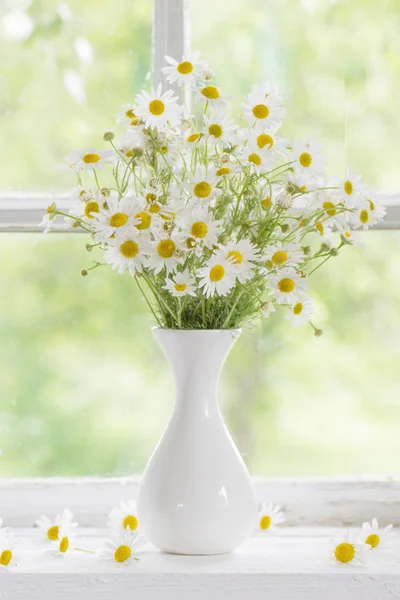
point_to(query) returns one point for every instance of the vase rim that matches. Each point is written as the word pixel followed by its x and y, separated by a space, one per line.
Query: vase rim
pixel 155 328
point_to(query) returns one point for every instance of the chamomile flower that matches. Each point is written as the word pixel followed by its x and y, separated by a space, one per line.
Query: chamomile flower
pixel 199 224
pixel 49 218
pixel 350 187
pixel 270 516
pixel 157 109
pixel 127 116
pixel 220 130
pixel 90 159
pixel 138 139
pixel 127 253
pixel 374 537
pixel 263 108
pixel 217 277
pixel 163 252
pixel 181 284
pixel 202 185
pixel 116 219
pixel 375 206
pixel 332 206
pixel 281 254
pixel 51 528
pixel 127 145
pixel 8 549
pixel 287 285
pixel 362 216
pixel 270 143
pixel 120 549
pixel 267 309
pixel 241 255
pixel 65 542
pixel 192 138
pixel 351 237
pixel 186 72
pixel 307 159
pixel 212 95
pixel 300 312
pixel 347 550
pixel 123 518
pixel 255 157
pixel 91 202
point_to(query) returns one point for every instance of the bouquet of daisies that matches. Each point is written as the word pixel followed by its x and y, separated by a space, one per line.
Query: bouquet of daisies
pixel 217 221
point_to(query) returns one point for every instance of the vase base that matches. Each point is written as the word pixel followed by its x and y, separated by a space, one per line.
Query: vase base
pixel 204 553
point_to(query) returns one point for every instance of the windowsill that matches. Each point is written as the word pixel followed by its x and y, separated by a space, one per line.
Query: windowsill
pixel 288 564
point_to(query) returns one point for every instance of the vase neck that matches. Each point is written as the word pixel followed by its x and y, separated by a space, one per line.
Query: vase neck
pixel 196 358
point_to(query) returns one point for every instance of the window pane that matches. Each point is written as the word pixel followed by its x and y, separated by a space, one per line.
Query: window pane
pixel 66 68
pixel 337 63
pixel 84 388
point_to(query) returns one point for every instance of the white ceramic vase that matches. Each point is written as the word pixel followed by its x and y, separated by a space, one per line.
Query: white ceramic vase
pixel 196 495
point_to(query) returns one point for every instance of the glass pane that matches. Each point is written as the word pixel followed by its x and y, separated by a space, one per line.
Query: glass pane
pixel 337 63
pixel 84 389
pixel 66 68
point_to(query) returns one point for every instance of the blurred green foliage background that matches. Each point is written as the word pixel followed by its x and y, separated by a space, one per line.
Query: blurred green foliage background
pixel 84 389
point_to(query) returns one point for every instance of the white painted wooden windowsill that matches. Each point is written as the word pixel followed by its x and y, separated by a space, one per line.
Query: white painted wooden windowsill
pixel 288 564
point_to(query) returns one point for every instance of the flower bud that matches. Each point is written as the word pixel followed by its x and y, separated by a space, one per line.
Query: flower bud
pixel 105 192
pixel 89 247
pixel 108 136
pixel 334 251
pixel 285 227
pixel 284 200
pixel 84 273
pixel 318 332
pixel 225 158
pixel 308 251
pixel 207 74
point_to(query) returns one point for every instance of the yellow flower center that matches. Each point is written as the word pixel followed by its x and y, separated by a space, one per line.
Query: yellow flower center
pixel 122 553
pixel 91 158
pixel 347 234
pixel 265 522
pixel 217 273
pixel 348 187
pixel 264 140
pixel 215 130
pixel 150 197
pixel 305 159
pixel 155 208
pixel 298 308
pixel 130 114
pixel 118 219
pixel 286 285
pixel 91 207
pixel 199 229
pixel 180 287
pixel 145 220
pixel 266 203
pixel 202 189
pixel 166 248
pixel 364 216
pixel 131 522
pixel 237 257
pixel 210 92
pixel 129 153
pixel 135 121
pixel 280 257
pixel 193 137
pixel 156 107
pixel 371 205
pixel 373 540
pixel 330 208
pixel 320 228
pixel 53 532
pixel 223 171
pixel 185 67
pixel 129 249
pixel 260 111
pixel 64 545
pixel 164 149
pixel 344 552
pixel 255 159
pixel 5 557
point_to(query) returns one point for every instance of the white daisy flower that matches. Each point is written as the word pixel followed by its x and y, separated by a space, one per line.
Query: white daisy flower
pixel 220 129
pixel 282 254
pixel 127 253
pixel 267 309
pixel 90 159
pixel 226 169
pixel 212 95
pixel 351 237
pixel 363 216
pixel 163 253
pixel 51 528
pixel 300 311
pixel 123 518
pixel 263 108
pixel 117 219
pixel 91 201
pixel 199 224
pixel 49 218
pixel 350 187
pixel 139 137
pixel 186 72
pixel 65 541
pixel 120 549
pixel 270 516
pixel 307 158
pixel 375 537
pixel 202 184
pixel 157 109
pixel 287 285
pixel 127 144
pixel 241 255
pixel 253 156
pixel 8 555
pixel 332 206
pixel 375 205
pixel 345 549
pixel 270 143
pixel 181 284
pixel 217 277
pixel 127 116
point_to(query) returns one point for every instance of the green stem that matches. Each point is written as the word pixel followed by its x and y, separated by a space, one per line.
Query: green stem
pixel 148 302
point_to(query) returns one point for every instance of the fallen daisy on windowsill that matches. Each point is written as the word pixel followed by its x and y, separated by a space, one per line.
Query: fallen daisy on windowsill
pixel 376 538
pixel 123 518
pixel 269 517
pixel 348 550
pixel 51 528
pixel 120 549
pixel 8 543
